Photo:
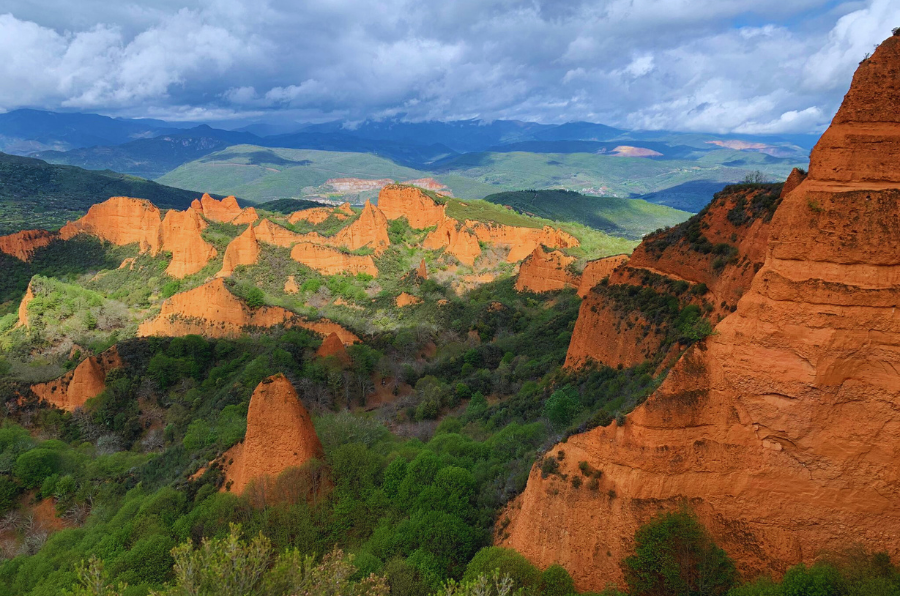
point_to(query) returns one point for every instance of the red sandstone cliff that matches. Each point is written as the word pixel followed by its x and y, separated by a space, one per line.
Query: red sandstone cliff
pixel 87 381
pixel 369 230
pixel 243 250
pixel 23 244
pixel 330 261
pixel 280 435
pixel 781 430
pixel 180 234
pixel 213 311
pixel 121 221
pixel 546 271
pixel 419 209
pixel 458 242
pixel 332 346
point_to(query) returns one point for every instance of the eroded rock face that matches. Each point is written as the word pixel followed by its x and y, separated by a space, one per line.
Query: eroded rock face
pixel 271 233
pixel 247 215
pixel 333 346
pixel 224 211
pixel 243 250
pixel 406 299
pixel 213 311
pixel 369 230
pixel 613 332
pixel 595 271
pixel 521 241
pixel 864 136
pixel 180 235
pixel 546 271
pixel 87 381
pixel 781 430
pixel 315 215
pixel 422 270
pixel 291 286
pixel 121 221
pixel 458 242
pixel 397 201
pixel 331 261
pixel 23 306
pixel 280 435
pixel 23 244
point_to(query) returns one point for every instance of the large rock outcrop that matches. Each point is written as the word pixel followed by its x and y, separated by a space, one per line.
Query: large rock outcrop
pixel 223 211
pixel 243 250
pixel 333 347
pixel 180 234
pixel 23 244
pixel 271 233
pixel 397 201
pixel 121 221
pixel 331 261
pixel 86 381
pixel 370 230
pixel 280 435
pixel 546 271
pixel 212 310
pixel 782 430
pixel 709 261
pixel 520 241
pixel 458 242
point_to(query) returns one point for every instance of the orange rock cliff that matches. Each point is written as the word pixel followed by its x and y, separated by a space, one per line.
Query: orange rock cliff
pixel 781 430
pixel 23 244
pixel 280 435
pixel 546 271
pixel 397 201
pixel 87 381
pixel 212 310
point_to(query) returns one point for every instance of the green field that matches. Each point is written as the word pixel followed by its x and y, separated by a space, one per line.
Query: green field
pixel 629 218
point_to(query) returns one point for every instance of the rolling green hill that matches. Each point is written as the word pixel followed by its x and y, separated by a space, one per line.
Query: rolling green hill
pixel 35 194
pixel 629 218
pixel 263 174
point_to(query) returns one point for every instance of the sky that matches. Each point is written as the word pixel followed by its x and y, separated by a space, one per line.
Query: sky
pixel 724 66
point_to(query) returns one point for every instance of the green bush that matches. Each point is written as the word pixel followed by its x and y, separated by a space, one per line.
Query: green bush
pixel 562 406
pixel 509 562
pixel 556 581
pixel 675 555
pixel 32 467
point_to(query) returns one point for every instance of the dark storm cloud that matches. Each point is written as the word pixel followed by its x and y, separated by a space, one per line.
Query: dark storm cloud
pixel 754 66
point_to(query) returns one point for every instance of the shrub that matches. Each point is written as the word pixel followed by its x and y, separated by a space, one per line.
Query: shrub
pixel 507 562
pixel 255 298
pixel 675 555
pixel 33 466
pixel 556 581
pixel 549 465
pixel 562 406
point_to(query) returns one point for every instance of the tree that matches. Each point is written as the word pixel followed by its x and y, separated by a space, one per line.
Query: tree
pixel 556 581
pixel 493 584
pixel 255 298
pixel 33 466
pixel 562 406
pixel 506 562
pixel 675 556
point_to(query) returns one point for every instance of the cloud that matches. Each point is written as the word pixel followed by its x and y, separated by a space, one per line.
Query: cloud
pixel 674 64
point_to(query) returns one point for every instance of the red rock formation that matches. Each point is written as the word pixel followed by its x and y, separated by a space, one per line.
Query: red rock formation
pixel 23 244
pixel 405 299
pixel 419 209
pixel 212 311
pixel 331 261
pixel 546 271
pixel 780 431
pixel 738 219
pixel 315 215
pixel 243 250
pixel 596 270
pixel 422 271
pixel 247 215
pixel 224 211
pixel 280 435
pixel 332 346
pixel 369 230
pixel 271 233
pixel 87 381
pixel 180 235
pixel 521 241
pixel 23 306
pixel 345 208
pixel 291 286
pixel 121 221
pixel 459 243
pixel 792 182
